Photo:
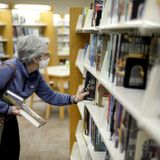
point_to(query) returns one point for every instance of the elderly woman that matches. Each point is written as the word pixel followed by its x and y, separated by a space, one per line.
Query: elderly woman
pixel 32 56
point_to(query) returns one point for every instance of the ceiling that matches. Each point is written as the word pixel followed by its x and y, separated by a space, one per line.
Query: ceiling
pixel 60 6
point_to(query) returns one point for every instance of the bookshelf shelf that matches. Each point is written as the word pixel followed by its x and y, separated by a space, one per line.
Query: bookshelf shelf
pixel 133 24
pixel 30 25
pixel 75 155
pixel 4 56
pixel 63 34
pixel 131 99
pixel 90 30
pixel 80 68
pixel 81 141
pixel 3 40
pixel 81 108
pixel 126 25
pixel 62 26
pixel 79 30
pixel 96 113
pixel 61 54
pixel 2 24
pixel 94 155
pixel 63 41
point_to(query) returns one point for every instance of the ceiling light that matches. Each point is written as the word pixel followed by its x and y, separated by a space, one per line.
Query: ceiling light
pixel 3 6
pixel 33 7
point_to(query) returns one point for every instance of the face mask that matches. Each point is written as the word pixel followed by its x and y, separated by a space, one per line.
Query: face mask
pixel 43 63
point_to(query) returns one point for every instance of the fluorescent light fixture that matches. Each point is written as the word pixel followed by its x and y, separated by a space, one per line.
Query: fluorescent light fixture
pixel 3 6
pixel 33 7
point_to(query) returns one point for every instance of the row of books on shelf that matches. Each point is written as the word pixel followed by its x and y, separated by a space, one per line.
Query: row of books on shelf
pixel 2 52
pixel 123 132
pixel 104 12
pixel 123 59
pixel 26 17
pixel 63 49
pixel 63 39
pixel 19 31
pixel 122 10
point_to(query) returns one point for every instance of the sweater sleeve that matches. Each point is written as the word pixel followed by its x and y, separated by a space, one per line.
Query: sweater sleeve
pixel 5 75
pixel 50 96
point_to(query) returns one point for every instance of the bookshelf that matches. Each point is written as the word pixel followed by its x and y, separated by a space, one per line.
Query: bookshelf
pixel 62 33
pixel 140 104
pixel 43 27
pixel 6 32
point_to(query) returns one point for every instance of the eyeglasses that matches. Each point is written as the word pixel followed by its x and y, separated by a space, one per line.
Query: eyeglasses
pixel 45 56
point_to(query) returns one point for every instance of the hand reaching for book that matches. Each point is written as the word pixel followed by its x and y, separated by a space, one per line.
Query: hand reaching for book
pixel 80 95
pixel 15 111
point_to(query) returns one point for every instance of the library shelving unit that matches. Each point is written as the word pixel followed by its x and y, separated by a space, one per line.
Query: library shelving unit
pixel 77 41
pixel 62 33
pixel 6 34
pixel 142 105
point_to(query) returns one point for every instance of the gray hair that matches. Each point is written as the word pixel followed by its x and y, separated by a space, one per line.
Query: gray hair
pixel 31 46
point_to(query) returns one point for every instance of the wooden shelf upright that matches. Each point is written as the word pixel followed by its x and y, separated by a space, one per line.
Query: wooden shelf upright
pixel 77 41
pixel 6 31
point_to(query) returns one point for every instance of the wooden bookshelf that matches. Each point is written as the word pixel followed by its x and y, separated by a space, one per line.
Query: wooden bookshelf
pixel 140 104
pixel 77 41
pixel 6 31
pixel 49 31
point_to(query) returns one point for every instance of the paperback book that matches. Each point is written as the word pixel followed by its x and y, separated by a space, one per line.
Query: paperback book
pixel 90 86
pixel 25 111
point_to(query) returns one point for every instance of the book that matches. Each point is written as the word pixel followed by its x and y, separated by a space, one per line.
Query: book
pixel 90 86
pixel 136 73
pixel 1 49
pixel 28 113
pixel 92 52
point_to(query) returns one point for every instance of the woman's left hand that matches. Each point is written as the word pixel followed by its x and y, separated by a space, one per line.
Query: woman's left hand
pixel 80 95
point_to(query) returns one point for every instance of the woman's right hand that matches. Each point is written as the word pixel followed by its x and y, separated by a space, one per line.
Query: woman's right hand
pixel 15 111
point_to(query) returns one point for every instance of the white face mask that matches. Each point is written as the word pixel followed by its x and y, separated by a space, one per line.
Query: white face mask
pixel 43 63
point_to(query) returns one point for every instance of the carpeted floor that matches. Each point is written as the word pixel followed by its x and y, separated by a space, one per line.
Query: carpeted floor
pixel 50 142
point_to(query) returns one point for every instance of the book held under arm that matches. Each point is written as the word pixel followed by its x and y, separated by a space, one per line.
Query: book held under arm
pixel 13 99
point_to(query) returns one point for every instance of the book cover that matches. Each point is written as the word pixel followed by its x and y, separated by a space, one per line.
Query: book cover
pixel 90 86
pixel 1 49
pixel 109 57
pixel 113 60
pixel 137 9
pixel 25 111
pixel 121 59
pixel 136 73
pixel 92 53
pixel 101 48
pixel 99 52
